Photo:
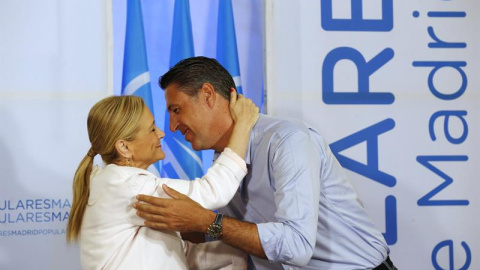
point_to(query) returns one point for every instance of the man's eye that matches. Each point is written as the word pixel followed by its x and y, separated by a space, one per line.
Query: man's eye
pixel 175 110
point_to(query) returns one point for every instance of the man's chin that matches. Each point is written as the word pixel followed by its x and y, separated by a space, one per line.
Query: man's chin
pixel 196 147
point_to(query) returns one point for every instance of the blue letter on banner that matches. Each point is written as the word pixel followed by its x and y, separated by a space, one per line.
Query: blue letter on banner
pixel 365 70
pixel 426 200
pixel 437 65
pixel 449 244
pixel 390 234
pixel 447 114
pixel 370 135
pixel 356 22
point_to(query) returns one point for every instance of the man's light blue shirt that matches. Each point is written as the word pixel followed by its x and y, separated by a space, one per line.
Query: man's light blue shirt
pixel 307 212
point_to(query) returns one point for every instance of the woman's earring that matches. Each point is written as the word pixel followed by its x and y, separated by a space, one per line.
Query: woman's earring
pixel 129 162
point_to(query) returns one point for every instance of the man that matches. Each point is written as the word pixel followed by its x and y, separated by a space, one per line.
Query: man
pixel 295 209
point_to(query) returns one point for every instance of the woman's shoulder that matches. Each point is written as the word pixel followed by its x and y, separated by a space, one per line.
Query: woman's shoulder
pixel 124 171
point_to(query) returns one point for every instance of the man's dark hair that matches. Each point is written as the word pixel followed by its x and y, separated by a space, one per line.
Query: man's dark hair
pixel 190 74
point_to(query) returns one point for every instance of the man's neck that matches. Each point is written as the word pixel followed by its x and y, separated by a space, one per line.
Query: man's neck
pixel 224 139
pixel 223 124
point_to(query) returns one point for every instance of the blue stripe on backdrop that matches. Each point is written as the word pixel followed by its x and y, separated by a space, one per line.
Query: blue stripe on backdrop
pixel 181 160
pixel 227 53
pixel 136 76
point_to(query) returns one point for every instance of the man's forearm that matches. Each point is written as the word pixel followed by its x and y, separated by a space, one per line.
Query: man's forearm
pixel 184 215
pixel 239 234
pixel 242 235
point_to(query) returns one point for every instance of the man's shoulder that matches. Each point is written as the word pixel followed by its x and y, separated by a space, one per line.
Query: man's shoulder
pixel 274 129
pixel 282 126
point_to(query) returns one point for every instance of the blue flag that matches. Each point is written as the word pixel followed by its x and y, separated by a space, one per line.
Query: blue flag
pixel 181 160
pixel 227 42
pixel 136 77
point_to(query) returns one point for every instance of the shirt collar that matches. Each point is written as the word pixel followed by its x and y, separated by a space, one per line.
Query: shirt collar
pixel 248 157
pixel 247 154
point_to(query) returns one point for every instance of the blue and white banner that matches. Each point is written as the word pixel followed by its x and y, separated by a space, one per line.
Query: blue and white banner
pixel 227 53
pixel 181 160
pixel 158 25
pixel 136 77
pixel 393 86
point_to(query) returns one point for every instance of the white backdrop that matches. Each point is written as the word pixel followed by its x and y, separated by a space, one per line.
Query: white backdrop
pixel 54 65
pixel 429 215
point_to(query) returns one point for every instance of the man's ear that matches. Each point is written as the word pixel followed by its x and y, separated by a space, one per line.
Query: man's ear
pixel 122 148
pixel 207 94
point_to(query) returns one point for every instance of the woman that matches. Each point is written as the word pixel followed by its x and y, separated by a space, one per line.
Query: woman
pixel 122 131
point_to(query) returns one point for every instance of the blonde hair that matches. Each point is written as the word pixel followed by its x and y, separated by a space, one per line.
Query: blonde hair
pixel 111 119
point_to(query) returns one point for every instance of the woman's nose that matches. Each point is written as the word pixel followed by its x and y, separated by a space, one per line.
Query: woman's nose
pixel 160 133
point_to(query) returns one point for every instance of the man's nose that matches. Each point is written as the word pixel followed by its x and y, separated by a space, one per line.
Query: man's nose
pixel 173 123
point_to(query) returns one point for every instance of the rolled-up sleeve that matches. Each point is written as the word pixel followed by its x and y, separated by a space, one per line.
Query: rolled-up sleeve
pixel 295 175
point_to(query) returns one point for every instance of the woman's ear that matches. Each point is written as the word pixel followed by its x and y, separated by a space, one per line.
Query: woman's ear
pixel 122 148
